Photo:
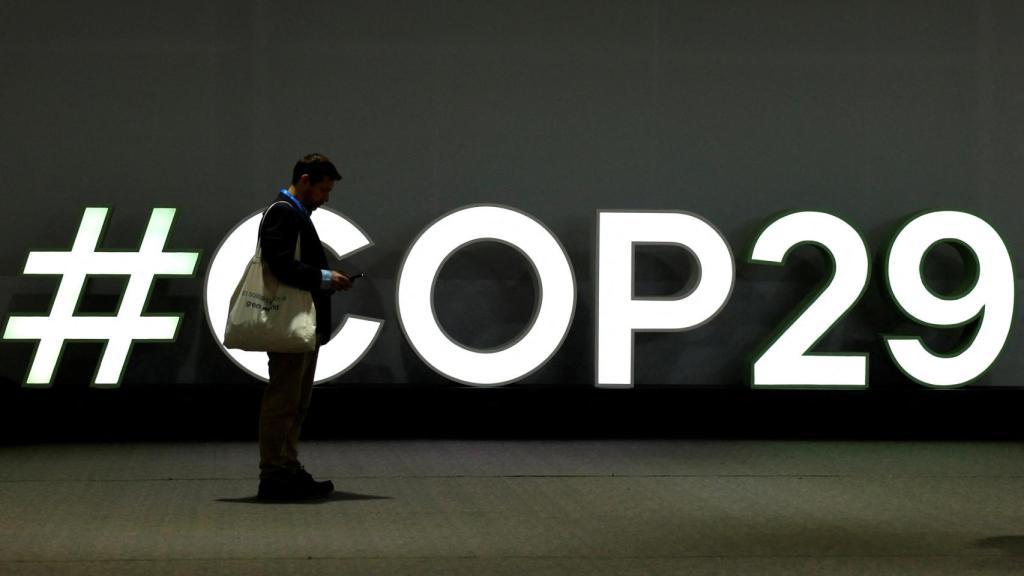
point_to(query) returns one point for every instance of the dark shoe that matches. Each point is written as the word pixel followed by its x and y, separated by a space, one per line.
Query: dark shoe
pixel 280 488
pixel 314 488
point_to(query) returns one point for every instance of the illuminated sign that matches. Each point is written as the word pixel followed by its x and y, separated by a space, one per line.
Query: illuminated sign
pixel 786 361
pixel 553 311
pixel 620 313
pixel 348 344
pixel 989 296
pixel 119 331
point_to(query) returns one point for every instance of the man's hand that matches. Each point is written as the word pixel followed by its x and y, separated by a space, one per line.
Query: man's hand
pixel 339 281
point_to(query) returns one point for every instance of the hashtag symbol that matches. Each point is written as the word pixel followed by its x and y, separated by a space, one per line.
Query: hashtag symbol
pixel 120 331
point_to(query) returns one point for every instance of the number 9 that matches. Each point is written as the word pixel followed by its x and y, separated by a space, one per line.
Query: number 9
pixel 991 297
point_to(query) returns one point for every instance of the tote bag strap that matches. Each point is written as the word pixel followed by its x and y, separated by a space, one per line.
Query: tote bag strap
pixel 260 228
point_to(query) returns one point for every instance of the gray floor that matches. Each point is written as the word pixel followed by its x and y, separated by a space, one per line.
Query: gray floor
pixel 538 507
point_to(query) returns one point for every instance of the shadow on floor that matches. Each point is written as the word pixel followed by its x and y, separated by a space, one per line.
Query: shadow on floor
pixel 1012 545
pixel 334 497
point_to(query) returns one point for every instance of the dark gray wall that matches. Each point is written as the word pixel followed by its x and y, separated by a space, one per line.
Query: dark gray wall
pixel 733 110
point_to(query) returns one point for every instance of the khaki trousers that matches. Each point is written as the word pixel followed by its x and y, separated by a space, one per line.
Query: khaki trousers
pixel 284 406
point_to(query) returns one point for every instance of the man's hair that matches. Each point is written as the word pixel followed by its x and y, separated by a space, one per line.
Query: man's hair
pixel 317 166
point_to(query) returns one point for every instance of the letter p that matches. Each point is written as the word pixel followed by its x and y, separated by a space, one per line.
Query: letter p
pixel 620 313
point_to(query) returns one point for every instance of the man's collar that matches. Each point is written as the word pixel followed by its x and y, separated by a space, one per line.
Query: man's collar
pixel 295 201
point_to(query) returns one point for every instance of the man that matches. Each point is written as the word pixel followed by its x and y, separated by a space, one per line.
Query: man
pixel 287 395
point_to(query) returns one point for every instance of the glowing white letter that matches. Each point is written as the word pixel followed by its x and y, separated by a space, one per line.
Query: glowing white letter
pixel 555 306
pixel 619 314
pixel 348 344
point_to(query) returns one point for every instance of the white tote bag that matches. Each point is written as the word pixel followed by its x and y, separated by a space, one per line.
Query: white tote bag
pixel 267 315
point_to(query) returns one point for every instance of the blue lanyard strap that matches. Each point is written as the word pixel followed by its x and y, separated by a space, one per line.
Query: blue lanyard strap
pixel 295 201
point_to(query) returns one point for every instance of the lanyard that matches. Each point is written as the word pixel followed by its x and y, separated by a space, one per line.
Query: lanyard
pixel 295 201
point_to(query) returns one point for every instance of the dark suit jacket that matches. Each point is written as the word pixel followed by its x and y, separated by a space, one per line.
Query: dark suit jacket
pixel 282 225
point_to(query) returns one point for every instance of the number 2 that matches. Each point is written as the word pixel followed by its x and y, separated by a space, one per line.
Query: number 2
pixel 787 363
